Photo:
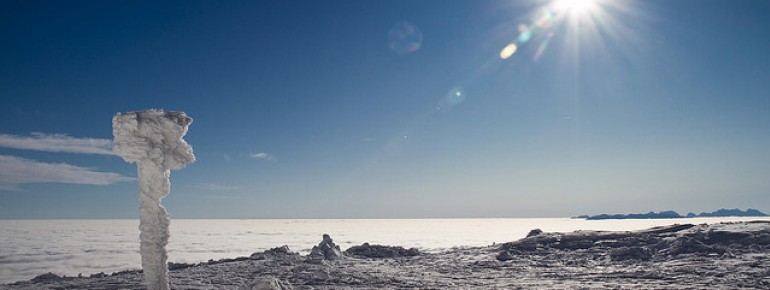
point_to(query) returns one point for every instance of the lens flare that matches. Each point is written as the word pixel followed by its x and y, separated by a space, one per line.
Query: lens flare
pixel 454 97
pixel 525 36
pixel 404 38
pixel 541 48
pixel 546 19
pixel 583 20
pixel 508 51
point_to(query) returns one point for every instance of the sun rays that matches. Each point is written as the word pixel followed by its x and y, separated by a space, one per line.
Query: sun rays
pixel 590 24
pixel 575 7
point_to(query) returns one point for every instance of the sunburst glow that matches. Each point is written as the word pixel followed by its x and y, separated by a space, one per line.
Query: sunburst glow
pixel 575 7
pixel 587 23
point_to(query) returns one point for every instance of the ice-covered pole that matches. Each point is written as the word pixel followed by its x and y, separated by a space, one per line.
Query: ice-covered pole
pixel 153 140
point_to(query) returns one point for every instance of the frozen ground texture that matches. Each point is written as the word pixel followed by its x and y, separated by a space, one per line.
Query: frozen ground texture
pixel 153 140
pixel 718 256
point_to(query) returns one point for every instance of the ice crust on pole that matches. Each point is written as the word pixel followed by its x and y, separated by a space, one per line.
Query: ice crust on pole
pixel 153 140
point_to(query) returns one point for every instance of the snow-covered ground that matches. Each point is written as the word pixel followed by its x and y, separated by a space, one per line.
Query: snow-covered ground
pixel 69 247
pixel 717 256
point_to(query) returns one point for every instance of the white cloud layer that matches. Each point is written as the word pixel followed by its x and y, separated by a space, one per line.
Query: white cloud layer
pixel 15 171
pixel 263 156
pixel 57 143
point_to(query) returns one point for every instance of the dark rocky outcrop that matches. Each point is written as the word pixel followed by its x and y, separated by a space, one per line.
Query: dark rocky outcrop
pixel 649 215
pixel 178 266
pixel 379 251
pixel 674 215
pixel 650 244
pixel 98 275
pixel 534 232
pixel 46 277
pixel 326 250
pixel 667 229
pixel 280 253
pixel 730 212
pixel 266 283
pixel 631 253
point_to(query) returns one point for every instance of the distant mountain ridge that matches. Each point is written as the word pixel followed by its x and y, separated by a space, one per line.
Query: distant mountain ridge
pixel 673 215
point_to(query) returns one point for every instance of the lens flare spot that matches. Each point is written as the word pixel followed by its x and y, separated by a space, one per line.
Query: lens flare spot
pixel 456 96
pixel 404 38
pixel 508 51
pixel 542 47
pixel 546 19
pixel 523 27
pixel 525 36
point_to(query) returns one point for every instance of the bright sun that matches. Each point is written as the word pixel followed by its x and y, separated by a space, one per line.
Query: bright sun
pixel 582 18
pixel 575 7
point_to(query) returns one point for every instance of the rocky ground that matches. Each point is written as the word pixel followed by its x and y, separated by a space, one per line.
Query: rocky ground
pixel 719 256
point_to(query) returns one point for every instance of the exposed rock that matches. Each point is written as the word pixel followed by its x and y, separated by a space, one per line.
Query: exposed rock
pixel 523 245
pixel 278 251
pixel 726 238
pixel 574 244
pixel 46 277
pixel 662 242
pixel 534 232
pixel 98 275
pixel 689 245
pixel 504 256
pixel 667 229
pixel 266 283
pixel 674 215
pixel 732 212
pixel 226 260
pixel 177 266
pixel 326 250
pixel 380 251
pixel 282 252
pixel 650 215
pixel 631 253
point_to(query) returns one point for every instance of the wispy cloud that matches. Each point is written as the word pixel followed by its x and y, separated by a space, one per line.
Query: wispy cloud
pixel 15 171
pixel 216 187
pixel 57 143
pixel 263 156
pixel 223 197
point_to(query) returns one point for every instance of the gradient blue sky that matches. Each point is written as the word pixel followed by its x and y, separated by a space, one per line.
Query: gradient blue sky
pixel 303 110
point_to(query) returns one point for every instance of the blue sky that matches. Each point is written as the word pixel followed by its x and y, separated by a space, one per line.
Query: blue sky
pixel 391 109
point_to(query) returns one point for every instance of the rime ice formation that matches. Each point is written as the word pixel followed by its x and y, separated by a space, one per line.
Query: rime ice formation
pixel 153 140
pixel 326 250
